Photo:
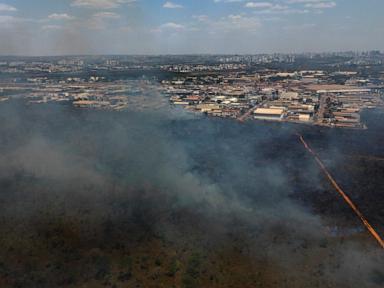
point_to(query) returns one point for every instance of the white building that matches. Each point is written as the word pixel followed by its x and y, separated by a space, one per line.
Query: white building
pixel 274 114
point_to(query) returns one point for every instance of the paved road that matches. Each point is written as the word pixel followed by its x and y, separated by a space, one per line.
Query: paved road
pixel 244 117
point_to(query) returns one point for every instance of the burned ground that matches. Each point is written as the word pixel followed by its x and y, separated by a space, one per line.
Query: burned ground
pixel 96 198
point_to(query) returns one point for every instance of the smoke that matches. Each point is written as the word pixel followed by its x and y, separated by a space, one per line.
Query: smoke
pixel 76 183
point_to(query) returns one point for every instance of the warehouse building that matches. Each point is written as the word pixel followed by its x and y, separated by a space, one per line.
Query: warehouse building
pixel 274 114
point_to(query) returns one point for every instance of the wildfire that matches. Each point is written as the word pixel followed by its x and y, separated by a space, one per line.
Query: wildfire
pixel 342 193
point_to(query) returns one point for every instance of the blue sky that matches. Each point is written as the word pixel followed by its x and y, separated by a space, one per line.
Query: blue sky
pixel 50 27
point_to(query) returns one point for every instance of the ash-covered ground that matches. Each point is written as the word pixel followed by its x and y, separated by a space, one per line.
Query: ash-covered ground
pixel 170 199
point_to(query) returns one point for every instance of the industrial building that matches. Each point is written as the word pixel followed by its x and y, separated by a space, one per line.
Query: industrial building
pixel 273 114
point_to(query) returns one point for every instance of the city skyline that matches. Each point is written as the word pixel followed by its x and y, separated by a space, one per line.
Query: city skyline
pixel 40 27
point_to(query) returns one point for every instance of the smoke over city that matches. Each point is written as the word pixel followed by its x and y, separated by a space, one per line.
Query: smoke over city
pixel 191 144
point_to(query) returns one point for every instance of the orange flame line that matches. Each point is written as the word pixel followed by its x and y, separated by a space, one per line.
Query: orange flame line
pixel 343 194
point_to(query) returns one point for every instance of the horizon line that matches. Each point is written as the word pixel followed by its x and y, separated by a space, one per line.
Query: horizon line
pixel 192 54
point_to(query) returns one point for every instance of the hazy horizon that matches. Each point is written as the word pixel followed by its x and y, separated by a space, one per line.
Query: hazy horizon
pixel 191 54
pixel 180 27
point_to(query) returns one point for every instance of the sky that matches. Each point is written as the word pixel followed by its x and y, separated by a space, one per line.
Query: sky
pixel 65 27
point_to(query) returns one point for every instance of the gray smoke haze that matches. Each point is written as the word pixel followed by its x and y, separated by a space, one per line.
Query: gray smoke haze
pixel 199 183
